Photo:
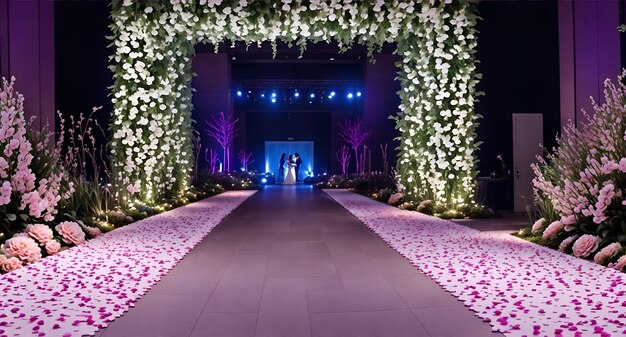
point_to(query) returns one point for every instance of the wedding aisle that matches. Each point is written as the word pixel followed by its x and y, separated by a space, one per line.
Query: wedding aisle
pixel 522 289
pixel 81 289
pixel 292 262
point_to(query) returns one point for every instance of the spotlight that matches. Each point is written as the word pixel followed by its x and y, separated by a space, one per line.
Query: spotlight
pixel 263 181
pixel 273 100
pixel 273 94
pixel 330 96
pixel 350 95
pixel 358 94
pixel 239 93
pixel 312 95
pixel 297 94
pixel 263 95
pixel 332 93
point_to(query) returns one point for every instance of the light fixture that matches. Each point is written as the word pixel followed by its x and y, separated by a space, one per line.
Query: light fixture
pixel 358 94
pixel 273 100
pixel 297 94
pixel 273 94
pixel 239 93
pixel 332 93
pixel 263 181
pixel 312 95
pixel 350 95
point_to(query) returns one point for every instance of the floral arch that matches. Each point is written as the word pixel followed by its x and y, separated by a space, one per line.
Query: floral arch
pixel 154 47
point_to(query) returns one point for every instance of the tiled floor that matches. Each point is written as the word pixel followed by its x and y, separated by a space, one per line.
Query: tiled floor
pixel 291 262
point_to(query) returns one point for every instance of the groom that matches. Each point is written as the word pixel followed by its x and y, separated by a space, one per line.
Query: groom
pixel 298 163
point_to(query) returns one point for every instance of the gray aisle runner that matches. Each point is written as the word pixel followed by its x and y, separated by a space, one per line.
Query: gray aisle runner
pixel 291 262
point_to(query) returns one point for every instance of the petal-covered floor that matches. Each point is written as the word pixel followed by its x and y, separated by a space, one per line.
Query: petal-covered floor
pixel 292 262
pixel 522 289
pixel 76 291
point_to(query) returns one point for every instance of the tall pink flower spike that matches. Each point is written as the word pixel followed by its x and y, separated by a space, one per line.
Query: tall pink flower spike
pixel 80 290
pixel 520 288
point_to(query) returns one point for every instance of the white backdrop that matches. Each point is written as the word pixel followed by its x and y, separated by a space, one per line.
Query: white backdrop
pixel 273 150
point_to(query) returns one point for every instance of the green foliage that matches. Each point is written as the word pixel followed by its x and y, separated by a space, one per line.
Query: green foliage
pixel 230 181
pixel 89 199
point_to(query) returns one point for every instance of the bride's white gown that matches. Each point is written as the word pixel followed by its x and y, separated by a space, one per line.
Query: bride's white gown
pixel 290 178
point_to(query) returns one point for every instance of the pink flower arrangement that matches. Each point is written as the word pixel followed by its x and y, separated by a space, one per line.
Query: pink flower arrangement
pixel 70 232
pixel 37 196
pixel 585 245
pixel 22 247
pixel 8 264
pixel 582 183
pixel 607 252
pixel 52 247
pixel 39 232
pixel 536 229
pixel 553 229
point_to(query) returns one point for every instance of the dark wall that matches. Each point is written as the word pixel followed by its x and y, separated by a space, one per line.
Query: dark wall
pixel 82 58
pixel 518 50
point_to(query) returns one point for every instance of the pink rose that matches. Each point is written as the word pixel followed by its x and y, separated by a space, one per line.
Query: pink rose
pixel 586 245
pixel 607 253
pixel 620 264
pixel 24 248
pixel 537 226
pixel 93 231
pixel 71 232
pixel 39 232
pixel 552 230
pixel 52 247
pixel 8 264
pixel 567 242
pixel 395 198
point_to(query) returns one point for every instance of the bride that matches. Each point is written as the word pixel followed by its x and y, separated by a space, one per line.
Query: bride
pixel 290 178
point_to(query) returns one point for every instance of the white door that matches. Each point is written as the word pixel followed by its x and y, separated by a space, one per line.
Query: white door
pixel 527 137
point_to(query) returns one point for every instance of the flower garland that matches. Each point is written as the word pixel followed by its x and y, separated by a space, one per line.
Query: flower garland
pixel 154 44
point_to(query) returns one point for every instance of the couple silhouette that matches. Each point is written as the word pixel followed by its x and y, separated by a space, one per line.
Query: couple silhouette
pixel 293 163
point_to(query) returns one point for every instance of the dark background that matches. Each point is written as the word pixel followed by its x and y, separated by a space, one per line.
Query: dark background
pixel 517 50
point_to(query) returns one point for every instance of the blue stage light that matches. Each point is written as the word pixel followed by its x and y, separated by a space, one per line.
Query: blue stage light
pixel 332 93
pixel 263 181
pixel 273 94
pixel 330 96
pixel 350 95
pixel 263 95
pixel 239 93
pixel 297 94
pixel 312 95
pixel 273 100
pixel 358 94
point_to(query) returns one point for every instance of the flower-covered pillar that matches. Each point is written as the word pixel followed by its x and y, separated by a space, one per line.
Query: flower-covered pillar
pixel 151 124
pixel 436 119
